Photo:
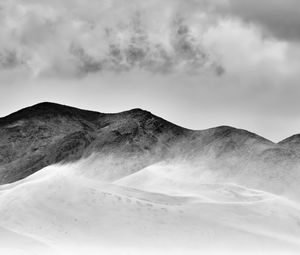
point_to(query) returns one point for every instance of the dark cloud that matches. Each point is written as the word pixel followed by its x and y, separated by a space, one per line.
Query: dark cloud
pixel 9 59
pixel 71 39
pixel 280 18
pixel 182 52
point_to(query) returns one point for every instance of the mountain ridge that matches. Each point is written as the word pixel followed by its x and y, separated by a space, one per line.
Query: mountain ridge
pixel 57 106
pixel 49 133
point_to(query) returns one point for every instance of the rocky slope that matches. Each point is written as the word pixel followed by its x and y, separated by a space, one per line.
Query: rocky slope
pixel 292 142
pixel 48 133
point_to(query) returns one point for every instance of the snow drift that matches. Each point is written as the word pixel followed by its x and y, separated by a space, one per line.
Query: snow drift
pixel 146 213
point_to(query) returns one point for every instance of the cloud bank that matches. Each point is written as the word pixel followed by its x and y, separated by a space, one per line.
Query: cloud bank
pixel 69 38
pixel 75 38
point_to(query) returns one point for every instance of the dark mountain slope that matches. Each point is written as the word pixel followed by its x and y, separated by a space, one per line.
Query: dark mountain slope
pixel 48 133
pixel 292 142
pixel 47 111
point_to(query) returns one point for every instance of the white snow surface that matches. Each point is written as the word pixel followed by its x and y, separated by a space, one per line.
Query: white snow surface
pixel 162 209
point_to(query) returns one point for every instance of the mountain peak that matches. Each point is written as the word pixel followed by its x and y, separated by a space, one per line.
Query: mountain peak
pixel 47 110
pixel 228 131
pixel 292 142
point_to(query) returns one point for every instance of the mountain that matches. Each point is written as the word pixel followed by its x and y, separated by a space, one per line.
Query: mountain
pixel 82 182
pixel 48 133
pixel 292 142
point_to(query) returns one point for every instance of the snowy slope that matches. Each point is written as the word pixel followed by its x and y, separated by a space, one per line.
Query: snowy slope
pixel 74 213
pixel 14 243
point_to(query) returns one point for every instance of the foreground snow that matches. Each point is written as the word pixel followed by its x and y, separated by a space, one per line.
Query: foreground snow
pixel 158 210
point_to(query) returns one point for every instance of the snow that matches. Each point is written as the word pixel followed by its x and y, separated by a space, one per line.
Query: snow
pixel 162 209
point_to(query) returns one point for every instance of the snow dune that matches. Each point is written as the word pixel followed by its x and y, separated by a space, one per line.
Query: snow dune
pixel 161 209
pixel 15 243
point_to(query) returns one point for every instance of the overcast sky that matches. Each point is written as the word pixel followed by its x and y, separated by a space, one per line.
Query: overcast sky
pixel 197 63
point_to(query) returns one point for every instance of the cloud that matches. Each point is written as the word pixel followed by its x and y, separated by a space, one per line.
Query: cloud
pixel 9 59
pixel 279 18
pixel 72 38
pixel 68 38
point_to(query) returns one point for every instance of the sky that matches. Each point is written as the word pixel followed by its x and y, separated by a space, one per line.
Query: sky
pixel 197 63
